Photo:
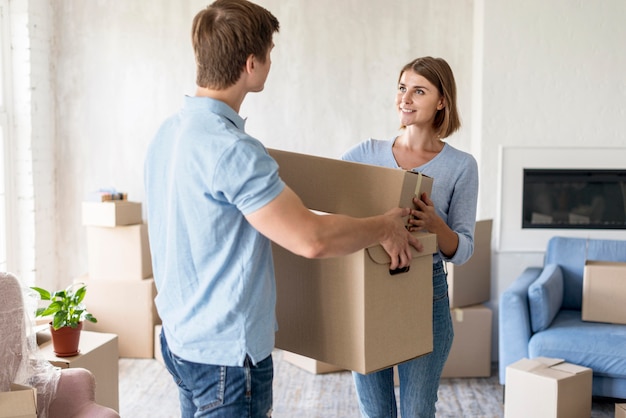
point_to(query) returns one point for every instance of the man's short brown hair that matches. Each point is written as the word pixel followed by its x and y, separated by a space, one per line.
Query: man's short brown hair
pixel 224 35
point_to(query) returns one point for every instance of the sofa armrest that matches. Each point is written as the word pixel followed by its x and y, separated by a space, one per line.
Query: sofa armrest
pixel 514 329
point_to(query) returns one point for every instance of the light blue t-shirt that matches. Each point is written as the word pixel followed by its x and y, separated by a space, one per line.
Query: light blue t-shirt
pixel 213 271
pixel 455 187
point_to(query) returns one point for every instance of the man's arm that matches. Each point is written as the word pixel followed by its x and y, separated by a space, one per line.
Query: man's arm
pixel 287 222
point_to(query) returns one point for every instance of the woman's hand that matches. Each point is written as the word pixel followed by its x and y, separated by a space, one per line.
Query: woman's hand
pixel 425 218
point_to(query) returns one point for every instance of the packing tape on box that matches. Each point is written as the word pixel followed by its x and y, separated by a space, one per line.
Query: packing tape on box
pixel 418 185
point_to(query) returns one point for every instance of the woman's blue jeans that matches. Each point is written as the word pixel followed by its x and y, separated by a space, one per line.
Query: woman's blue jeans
pixel 419 378
pixel 207 390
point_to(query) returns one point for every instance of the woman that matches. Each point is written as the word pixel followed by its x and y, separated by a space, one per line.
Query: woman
pixel 426 106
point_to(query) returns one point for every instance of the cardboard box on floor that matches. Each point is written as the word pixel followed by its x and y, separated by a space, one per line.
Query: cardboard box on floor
pixel 98 354
pixel 470 355
pixel 122 252
pixel 547 387
pixel 111 213
pixel 19 402
pixel 350 311
pixel 125 308
pixel 604 292
pixel 309 364
pixel 470 283
pixel 620 410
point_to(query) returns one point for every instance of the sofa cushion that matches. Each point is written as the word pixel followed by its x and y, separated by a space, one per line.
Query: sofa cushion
pixel 596 345
pixel 545 296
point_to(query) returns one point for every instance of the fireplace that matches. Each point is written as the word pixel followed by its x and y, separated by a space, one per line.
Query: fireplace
pixel 574 198
pixel 548 191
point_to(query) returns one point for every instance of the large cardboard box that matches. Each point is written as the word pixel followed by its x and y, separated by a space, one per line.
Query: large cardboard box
pixel 19 402
pixel 620 410
pixel 125 308
pixel 111 213
pixel 117 253
pixel 470 355
pixel 309 364
pixel 98 354
pixel 470 283
pixel 350 311
pixel 547 388
pixel 604 292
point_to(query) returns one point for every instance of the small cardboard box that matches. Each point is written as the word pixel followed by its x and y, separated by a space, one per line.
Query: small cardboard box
pixel 349 311
pixel 118 253
pixel 111 213
pixel 98 354
pixel 470 355
pixel 547 387
pixel 125 308
pixel 309 364
pixel 604 292
pixel 470 283
pixel 620 410
pixel 19 402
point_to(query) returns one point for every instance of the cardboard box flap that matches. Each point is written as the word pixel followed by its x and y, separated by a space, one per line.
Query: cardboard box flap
pixel 537 363
pixel 378 254
pixel 358 190
pixel 570 368
pixel 549 361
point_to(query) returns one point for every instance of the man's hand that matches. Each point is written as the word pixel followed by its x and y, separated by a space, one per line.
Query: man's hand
pixel 399 240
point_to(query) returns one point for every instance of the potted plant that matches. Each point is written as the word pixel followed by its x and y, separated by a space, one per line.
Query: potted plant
pixel 68 315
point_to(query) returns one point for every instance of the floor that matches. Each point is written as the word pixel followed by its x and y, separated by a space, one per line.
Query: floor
pixel 147 390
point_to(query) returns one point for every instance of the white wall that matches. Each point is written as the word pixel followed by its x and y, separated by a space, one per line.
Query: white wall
pixel 122 67
pixel 531 73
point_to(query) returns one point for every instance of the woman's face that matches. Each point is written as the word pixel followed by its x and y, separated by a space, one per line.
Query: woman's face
pixel 417 100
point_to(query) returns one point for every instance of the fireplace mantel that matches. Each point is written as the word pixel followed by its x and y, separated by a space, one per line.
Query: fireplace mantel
pixel 510 236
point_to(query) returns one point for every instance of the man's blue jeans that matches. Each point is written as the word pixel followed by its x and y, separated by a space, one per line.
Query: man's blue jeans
pixel 419 378
pixel 207 390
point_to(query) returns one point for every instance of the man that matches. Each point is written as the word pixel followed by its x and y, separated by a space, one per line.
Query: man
pixel 215 201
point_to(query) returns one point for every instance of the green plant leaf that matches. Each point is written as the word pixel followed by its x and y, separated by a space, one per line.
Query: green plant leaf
pixel 80 294
pixel 43 293
pixel 59 320
pixel 53 308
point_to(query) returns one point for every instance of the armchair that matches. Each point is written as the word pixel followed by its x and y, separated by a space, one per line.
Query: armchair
pixel 67 393
pixel 540 315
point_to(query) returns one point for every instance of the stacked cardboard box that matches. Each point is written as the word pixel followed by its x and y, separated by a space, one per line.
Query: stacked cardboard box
pixel 121 289
pixel 469 287
pixel 350 311
pixel 620 410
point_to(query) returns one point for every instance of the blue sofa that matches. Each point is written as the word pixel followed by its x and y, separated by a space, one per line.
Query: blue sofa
pixel 539 315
